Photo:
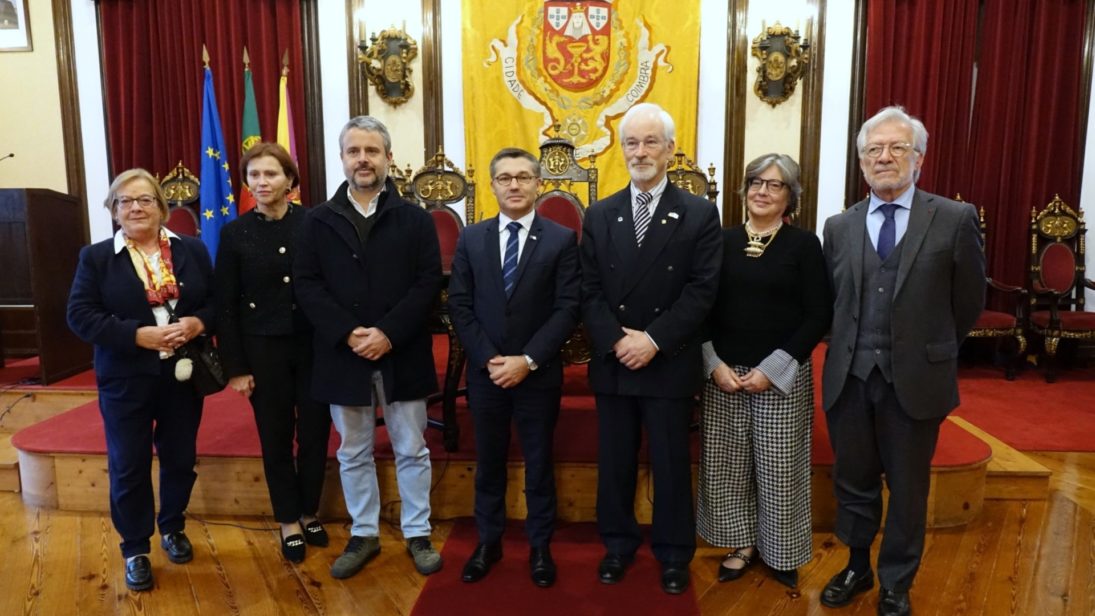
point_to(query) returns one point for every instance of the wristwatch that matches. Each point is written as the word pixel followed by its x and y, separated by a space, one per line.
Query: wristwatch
pixel 531 364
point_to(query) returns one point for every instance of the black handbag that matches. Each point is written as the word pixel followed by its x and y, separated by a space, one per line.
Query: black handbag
pixel 207 372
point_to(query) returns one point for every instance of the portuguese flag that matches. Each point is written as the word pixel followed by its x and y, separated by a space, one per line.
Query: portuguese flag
pixel 250 134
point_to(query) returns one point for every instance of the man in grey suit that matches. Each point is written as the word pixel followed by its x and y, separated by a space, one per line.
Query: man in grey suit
pixel 908 279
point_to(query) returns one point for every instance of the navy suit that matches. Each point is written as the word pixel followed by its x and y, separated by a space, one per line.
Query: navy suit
pixel 535 320
pixel 665 288
pixel 141 402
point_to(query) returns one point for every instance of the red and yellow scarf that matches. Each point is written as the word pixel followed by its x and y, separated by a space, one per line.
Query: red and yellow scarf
pixel 158 291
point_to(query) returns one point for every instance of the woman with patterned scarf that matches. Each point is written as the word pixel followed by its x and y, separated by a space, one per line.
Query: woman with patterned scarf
pixel 119 303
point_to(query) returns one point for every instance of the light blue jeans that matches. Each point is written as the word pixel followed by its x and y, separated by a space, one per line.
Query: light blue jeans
pixel 406 422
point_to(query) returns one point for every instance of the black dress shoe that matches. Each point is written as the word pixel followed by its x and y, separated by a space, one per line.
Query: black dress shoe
pixel 541 566
pixel 844 586
pixel 612 568
pixel 726 574
pixel 485 555
pixel 315 534
pixel 138 573
pixel 292 548
pixel 893 603
pixel 787 577
pixel 674 578
pixel 178 547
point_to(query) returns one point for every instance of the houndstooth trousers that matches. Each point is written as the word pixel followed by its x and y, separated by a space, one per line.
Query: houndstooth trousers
pixel 754 475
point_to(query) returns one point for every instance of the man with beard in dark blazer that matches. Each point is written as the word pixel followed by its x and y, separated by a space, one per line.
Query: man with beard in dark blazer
pixel 650 258
pixel 367 275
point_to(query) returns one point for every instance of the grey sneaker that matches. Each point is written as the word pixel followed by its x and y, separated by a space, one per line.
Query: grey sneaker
pixel 426 559
pixel 359 551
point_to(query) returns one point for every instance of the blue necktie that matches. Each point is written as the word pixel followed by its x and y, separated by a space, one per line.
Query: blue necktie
pixel 509 264
pixel 642 215
pixel 888 234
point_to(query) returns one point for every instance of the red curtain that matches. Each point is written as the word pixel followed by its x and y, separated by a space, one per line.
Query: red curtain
pixel 920 55
pixel 1025 140
pixel 152 64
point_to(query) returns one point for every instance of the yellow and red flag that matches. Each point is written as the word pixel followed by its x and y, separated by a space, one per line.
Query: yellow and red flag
pixel 580 65
pixel 286 136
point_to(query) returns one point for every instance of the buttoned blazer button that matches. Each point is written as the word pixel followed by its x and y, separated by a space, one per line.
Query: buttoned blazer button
pixel 281 250
pixel 252 305
pixel 622 308
pixel 670 268
pixel 285 279
pixel 657 310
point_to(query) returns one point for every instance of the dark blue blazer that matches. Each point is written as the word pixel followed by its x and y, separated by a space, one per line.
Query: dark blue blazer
pixel 666 288
pixel 539 315
pixel 107 303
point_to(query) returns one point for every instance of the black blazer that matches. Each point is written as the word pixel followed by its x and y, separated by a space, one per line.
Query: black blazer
pixel 666 288
pixel 538 316
pixel 391 283
pixel 107 303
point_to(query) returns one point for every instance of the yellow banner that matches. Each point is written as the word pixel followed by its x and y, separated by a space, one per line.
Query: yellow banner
pixel 529 65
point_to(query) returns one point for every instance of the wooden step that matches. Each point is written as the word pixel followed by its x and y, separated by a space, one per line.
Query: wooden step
pixel 1012 475
pixel 9 465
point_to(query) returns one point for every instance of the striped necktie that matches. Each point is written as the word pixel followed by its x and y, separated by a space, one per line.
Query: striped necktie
pixel 509 264
pixel 642 215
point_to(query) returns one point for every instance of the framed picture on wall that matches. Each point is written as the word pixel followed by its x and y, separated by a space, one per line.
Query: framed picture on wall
pixel 14 26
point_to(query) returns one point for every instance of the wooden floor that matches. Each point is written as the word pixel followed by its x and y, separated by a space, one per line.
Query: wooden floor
pixel 1018 557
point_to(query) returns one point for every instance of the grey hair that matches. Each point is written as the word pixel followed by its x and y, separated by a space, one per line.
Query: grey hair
pixel 131 175
pixel 894 113
pixel 366 123
pixel 649 109
pixel 788 170
pixel 515 153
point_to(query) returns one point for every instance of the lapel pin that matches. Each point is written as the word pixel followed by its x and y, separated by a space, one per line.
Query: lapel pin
pixel 532 237
pixel 664 221
pixel 674 215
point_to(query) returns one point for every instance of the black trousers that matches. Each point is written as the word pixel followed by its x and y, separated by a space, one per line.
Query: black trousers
pixel 621 420
pixel 282 368
pixel 533 413
pixel 871 434
pixel 140 412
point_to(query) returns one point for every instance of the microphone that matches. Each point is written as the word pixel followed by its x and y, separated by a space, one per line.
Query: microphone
pixel 10 155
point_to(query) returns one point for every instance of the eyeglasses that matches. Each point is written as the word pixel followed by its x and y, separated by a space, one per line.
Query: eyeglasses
pixel 143 201
pixel 633 144
pixel 897 150
pixel 770 186
pixel 523 179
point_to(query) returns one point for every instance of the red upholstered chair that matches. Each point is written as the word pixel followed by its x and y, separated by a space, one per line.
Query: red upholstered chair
pixel 182 189
pixel 999 325
pixel 1057 279
pixel 688 177
pixel 439 185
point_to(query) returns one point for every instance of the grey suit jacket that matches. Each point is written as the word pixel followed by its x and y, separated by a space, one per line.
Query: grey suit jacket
pixel 940 292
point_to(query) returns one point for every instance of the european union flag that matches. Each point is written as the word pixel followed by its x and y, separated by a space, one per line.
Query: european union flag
pixel 218 204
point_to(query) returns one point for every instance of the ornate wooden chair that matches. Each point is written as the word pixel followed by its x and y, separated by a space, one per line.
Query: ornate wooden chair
pixel 559 172
pixel 688 177
pixel 999 325
pixel 438 185
pixel 1057 247
pixel 182 190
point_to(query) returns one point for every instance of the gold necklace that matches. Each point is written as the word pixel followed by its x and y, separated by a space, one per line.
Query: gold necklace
pixel 757 243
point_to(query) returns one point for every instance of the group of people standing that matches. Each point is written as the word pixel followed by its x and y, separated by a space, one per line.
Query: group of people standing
pixel 321 318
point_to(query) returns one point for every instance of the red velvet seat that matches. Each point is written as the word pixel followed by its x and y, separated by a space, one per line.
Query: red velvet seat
pixel 182 220
pixel 1057 279
pixel 562 207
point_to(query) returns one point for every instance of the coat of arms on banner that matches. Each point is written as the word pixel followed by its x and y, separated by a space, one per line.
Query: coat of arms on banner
pixel 578 64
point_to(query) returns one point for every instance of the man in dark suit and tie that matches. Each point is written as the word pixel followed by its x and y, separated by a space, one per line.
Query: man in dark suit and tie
pixel 908 279
pixel 514 297
pixel 650 264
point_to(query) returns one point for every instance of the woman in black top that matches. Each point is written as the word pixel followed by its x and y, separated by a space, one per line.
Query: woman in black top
pixel 772 309
pixel 266 345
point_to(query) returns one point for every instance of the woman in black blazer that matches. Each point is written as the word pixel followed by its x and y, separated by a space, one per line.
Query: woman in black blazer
pixel 266 345
pixel 117 303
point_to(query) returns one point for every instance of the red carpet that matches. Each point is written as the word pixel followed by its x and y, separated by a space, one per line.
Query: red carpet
pixel 23 373
pixel 507 589
pixel 1028 413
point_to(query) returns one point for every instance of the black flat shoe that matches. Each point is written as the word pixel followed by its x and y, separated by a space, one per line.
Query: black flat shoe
pixel 612 568
pixel 541 567
pixel 292 548
pixel 893 603
pixel 138 573
pixel 787 577
pixel 315 534
pixel 844 586
pixel 485 555
pixel 178 547
pixel 675 578
pixel 726 574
